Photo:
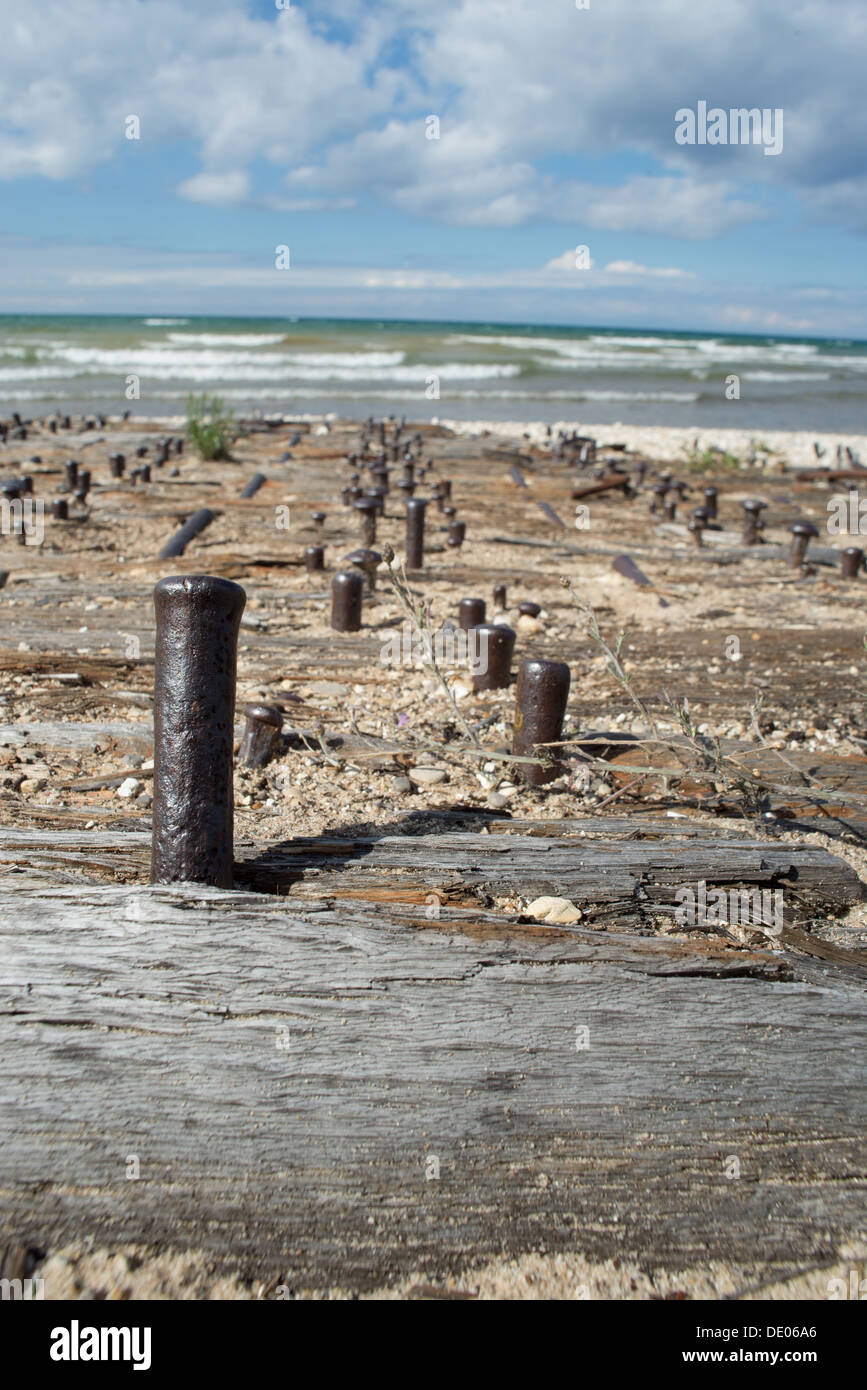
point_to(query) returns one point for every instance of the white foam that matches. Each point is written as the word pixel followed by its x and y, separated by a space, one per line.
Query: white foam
pixel 227 339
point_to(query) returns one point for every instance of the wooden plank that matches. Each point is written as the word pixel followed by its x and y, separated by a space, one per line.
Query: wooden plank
pixel 284 1074
pixel 631 882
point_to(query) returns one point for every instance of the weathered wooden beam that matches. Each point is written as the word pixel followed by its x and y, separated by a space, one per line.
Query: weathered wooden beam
pixel 283 1075
pixel 631 882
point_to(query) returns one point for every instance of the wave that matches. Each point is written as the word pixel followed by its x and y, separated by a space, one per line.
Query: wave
pixel 229 339
pixel 787 376
pixel 626 341
pixel 163 323
pixel 212 366
pixel 347 359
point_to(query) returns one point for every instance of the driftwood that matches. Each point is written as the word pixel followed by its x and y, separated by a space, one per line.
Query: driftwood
pixel 629 882
pixel 608 483
pixel 285 1077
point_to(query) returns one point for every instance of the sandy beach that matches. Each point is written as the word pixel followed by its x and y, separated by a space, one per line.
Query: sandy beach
pixel 744 667
pixel 672 444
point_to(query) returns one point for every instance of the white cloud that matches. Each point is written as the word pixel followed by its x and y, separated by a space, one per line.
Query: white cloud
pixel 233 186
pixel 751 318
pixel 558 274
pixel 667 272
pixel 115 279
pixel 684 207
pixel 568 262
pixel 513 85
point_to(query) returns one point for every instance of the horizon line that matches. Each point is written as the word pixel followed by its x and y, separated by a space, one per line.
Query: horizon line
pixel 464 323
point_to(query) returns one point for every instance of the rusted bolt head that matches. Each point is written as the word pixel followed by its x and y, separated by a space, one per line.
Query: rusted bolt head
pixel 851 561
pixel 314 558
pixel 500 596
pixel 367 508
pixel 457 534
pixel 346 596
pixel 471 612
pixel 368 561
pixel 540 705
pixel 491 648
pixel 802 532
pixel 261 734
pixel 60 509
pixel 528 609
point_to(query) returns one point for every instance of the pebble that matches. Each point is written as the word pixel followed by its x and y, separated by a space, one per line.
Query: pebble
pixel 31 784
pixel 427 776
pixel 554 910
pixel 130 787
pixel 497 801
pixel 401 785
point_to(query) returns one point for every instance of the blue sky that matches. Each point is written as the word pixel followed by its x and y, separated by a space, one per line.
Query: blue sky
pixel 306 126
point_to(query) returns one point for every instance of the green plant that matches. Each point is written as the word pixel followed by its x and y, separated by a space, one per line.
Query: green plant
pixel 210 426
pixel 710 460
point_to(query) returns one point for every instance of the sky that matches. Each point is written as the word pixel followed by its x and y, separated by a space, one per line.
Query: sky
pixel 485 160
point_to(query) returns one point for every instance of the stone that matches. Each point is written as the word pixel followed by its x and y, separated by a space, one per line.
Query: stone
pixel 554 910
pixel 130 787
pixel 427 776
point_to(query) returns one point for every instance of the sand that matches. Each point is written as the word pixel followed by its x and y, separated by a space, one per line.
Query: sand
pixel 679 646
pixel 672 444
pixel 134 1272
